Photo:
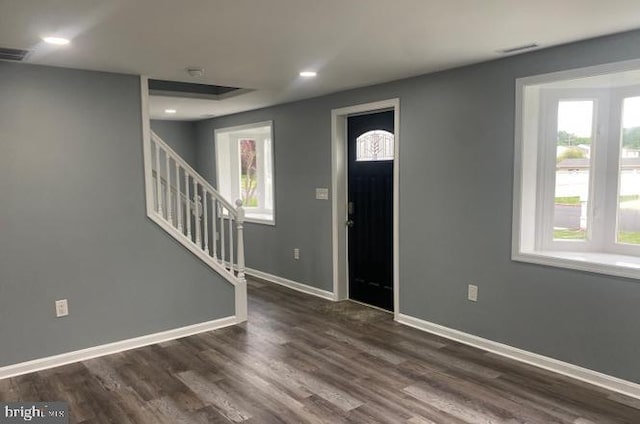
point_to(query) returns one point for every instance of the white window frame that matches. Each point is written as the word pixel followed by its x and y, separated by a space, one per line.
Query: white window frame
pixel 535 170
pixel 548 122
pixel 228 168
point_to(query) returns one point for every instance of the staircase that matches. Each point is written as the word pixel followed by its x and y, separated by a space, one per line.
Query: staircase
pixel 186 206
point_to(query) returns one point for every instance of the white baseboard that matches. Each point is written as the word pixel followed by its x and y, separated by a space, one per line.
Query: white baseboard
pixel 115 347
pixel 304 288
pixel 583 374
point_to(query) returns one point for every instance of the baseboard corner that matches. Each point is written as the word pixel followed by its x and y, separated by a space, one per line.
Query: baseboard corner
pixel 294 285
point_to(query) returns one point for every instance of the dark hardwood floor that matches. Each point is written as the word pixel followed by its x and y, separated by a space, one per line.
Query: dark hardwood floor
pixel 302 359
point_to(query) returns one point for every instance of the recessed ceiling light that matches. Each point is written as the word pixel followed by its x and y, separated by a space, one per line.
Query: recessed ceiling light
pixel 170 111
pixel 58 41
pixel 308 74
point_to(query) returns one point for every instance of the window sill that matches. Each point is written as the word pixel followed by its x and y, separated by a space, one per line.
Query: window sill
pixel 601 263
pixel 259 218
pixel 256 218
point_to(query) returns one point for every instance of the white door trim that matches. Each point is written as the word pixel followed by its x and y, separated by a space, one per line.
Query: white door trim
pixel 339 195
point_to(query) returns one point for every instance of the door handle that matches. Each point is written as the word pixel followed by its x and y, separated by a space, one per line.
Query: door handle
pixel 349 223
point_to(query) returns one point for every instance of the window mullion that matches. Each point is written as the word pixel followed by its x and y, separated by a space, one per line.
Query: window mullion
pixel 236 170
pixel 613 170
pixel 260 172
pixel 546 174
pixel 597 213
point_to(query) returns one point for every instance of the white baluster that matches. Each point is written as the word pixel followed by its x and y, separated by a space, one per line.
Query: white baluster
pixel 214 229
pixel 196 209
pixel 158 179
pixel 206 220
pixel 178 199
pixel 222 241
pixel 240 240
pixel 168 188
pixel 188 215
pixel 241 283
pixel 231 243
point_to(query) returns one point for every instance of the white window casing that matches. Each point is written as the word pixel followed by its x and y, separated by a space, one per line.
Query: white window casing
pixel 597 248
pixel 229 168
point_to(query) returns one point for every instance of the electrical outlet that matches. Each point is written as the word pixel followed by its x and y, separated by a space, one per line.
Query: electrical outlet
pixel 472 293
pixel 62 308
pixel 296 253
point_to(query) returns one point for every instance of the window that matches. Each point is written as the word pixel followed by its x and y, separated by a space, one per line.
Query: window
pixel 577 179
pixel 244 164
pixel 374 145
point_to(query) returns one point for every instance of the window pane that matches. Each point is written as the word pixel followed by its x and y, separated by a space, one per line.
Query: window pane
pixel 248 172
pixel 629 187
pixel 573 165
pixel 244 156
pixel 374 145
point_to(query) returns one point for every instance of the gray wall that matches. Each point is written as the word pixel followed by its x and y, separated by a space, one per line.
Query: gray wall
pixel 73 222
pixel 302 162
pixel 180 136
pixel 456 152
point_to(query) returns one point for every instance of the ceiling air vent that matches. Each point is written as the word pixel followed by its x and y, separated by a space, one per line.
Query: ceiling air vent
pixel 13 54
pixel 519 48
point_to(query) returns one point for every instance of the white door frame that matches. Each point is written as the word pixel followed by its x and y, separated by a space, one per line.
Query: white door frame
pixel 339 180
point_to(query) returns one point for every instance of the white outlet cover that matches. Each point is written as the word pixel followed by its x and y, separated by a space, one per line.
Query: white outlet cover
pixel 296 253
pixel 322 193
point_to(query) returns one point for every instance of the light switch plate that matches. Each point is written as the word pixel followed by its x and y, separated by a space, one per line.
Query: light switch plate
pixel 472 293
pixel 322 193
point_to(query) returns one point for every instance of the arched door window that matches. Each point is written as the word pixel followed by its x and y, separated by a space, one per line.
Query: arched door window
pixel 374 145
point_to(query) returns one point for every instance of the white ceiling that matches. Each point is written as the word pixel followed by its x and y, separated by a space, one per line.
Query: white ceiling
pixel 263 44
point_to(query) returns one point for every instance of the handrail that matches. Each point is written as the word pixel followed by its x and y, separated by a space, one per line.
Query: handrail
pixel 193 173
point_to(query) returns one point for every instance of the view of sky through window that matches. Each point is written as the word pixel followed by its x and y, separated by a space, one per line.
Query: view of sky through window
pixel 575 117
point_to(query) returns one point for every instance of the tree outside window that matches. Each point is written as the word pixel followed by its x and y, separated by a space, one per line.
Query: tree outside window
pixel 248 172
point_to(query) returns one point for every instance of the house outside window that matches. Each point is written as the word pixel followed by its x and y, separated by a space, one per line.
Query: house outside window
pixel 244 165
pixel 577 169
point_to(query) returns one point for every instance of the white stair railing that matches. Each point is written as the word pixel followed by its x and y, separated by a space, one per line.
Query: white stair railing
pixel 185 205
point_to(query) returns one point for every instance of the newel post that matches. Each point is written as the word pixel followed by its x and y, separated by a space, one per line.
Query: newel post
pixel 241 284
